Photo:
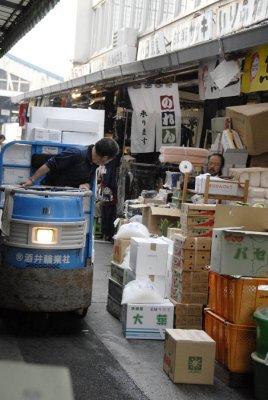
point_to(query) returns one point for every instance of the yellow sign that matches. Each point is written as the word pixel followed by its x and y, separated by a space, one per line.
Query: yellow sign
pixel 255 76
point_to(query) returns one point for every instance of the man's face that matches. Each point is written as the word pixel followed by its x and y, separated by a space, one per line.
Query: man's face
pixel 99 160
pixel 214 165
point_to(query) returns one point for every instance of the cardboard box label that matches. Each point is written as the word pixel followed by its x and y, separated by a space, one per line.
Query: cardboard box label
pixel 147 321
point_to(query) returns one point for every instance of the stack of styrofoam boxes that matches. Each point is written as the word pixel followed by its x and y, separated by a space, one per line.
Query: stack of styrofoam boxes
pixel 120 276
pixel 192 251
pixel 143 320
pixel 258 183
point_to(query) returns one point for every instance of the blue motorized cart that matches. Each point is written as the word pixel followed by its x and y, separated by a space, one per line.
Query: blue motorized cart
pixel 47 241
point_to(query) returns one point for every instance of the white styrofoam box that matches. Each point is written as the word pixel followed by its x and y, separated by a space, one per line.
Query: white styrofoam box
pixel 81 138
pixel 148 256
pixel 256 192
pixel 159 282
pixel 264 178
pixel 47 135
pixel 40 115
pixel 18 154
pixel 29 133
pixel 73 125
pixel 15 176
pixel 217 186
pixel 147 321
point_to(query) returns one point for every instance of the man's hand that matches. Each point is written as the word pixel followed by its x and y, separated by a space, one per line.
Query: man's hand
pixel 27 183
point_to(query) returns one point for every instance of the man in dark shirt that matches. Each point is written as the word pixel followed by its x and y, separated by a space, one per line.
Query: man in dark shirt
pixel 75 167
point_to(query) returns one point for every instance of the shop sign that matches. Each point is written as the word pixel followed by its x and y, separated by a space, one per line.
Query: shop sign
pixel 152 46
pixel 208 89
pixel 118 56
pixel 192 31
pixel 240 14
pixel 186 7
pixel 80 70
pixel 255 76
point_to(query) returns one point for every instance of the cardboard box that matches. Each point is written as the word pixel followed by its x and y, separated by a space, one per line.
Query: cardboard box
pixel 198 231
pixel 187 276
pixel 188 316
pixel 179 264
pixel 120 274
pixel 152 217
pixel 19 380
pixel 251 218
pixel 239 252
pixel 189 297
pixel 196 221
pixel 171 232
pixel 147 321
pixel 189 356
pixel 250 121
pixel 198 210
pixel 193 256
pixel 19 154
pixel 120 246
pixel 191 243
pixel 149 256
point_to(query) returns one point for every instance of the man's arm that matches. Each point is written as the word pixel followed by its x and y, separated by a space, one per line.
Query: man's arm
pixel 40 172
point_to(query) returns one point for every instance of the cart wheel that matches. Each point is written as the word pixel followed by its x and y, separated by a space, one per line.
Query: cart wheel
pixel 81 312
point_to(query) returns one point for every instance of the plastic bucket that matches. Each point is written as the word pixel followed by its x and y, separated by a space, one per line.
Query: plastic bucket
pixel 261 317
pixel 260 367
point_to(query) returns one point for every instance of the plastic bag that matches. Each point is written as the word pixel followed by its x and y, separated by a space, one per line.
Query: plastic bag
pixel 132 229
pixel 141 291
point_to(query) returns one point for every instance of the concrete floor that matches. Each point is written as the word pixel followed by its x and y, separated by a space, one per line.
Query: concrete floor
pixel 143 359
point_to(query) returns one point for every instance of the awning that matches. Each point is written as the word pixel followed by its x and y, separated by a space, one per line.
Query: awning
pixel 17 17
pixel 166 64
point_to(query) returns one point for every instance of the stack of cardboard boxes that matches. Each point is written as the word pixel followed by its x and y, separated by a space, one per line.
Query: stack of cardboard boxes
pixel 192 251
pixel 148 261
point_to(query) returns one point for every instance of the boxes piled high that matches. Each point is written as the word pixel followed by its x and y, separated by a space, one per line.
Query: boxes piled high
pixel 148 260
pixel 238 283
pixel 192 251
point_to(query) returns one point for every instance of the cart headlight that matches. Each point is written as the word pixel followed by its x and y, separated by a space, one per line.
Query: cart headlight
pixel 44 235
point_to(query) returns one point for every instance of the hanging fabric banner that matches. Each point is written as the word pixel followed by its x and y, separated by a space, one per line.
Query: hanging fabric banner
pixel 208 89
pixel 143 120
pixel 255 76
pixel 168 115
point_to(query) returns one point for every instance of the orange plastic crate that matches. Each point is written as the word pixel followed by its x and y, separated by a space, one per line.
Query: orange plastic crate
pixel 235 299
pixel 234 343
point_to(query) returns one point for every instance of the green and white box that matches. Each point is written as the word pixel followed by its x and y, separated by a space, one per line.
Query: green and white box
pixel 147 321
pixel 238 252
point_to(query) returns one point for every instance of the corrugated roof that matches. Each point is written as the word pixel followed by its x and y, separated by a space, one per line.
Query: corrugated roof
pixel 17 17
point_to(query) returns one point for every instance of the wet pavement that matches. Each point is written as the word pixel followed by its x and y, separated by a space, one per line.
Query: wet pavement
pixel 103 364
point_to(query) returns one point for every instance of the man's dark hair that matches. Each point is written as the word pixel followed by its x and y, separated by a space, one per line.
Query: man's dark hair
pixel 2 137
pixel 107 147
pixel 221 158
